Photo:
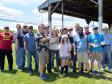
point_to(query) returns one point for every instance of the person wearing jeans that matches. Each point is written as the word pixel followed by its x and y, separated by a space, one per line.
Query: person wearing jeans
pixel 107 47
pixel 30 49
pixel 21 52
pixel 6 38
pixel 54 50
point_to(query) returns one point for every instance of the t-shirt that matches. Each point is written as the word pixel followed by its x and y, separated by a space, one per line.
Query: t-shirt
pixel 6 40
pixel 95 39
pixel 69 37
pixel 54 45
pixel 30 39
pixel 64 49
pixel 20 39
pixel 82 45
pixel 42 45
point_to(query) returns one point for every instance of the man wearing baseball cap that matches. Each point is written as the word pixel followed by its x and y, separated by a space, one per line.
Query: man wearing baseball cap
pixel 107 47
pixel 6 38
pixel 95 47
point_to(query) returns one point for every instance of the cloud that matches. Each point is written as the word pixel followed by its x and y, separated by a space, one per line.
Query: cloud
pixel 35 11
pixel 10 11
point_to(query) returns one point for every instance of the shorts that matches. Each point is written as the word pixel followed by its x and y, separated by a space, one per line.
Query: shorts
pixel 96 56
pixel 65 58
pixel 43 57
pixel 82 57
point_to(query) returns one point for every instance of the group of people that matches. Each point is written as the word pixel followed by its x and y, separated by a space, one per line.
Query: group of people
pixel 69 46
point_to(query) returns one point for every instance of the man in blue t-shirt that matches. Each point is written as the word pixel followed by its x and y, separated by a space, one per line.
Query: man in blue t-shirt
pixel 95 45
pixel 30 40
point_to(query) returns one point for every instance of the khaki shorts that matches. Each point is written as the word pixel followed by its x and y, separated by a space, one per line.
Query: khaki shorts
pixel 82 57
pixel 43 57
pixel 96 56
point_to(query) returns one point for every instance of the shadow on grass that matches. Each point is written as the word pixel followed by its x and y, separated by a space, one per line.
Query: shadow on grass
pixel 10 71
pixel 96 76
pixel 56 76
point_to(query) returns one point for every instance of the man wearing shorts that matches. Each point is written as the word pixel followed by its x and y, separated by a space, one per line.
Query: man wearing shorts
pixel 42 48
pixel 96 42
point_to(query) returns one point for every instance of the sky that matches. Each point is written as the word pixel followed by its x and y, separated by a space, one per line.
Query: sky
pixel 26 11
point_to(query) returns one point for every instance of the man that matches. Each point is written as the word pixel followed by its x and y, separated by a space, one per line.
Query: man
pixel 6 38
pixel 107 47
pixel 30 48
pixel 25 29
pixel 95 43
pixel 42 48
pixel 20 50
pixel 86 29
pixel 87 32
pixel 18 27
pixel 74 52
pixel 82 50
pixel 0 54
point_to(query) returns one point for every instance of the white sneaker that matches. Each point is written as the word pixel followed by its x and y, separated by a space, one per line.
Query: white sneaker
pixel 60 68
pixel 110 70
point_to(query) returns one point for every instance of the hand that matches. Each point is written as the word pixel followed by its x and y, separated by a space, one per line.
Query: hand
pixel 94 45
pixel 26 52
pixel 102 43
pixel 75 53
pixel 89 52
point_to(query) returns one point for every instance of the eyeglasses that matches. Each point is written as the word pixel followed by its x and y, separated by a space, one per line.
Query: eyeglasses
pixel 80 30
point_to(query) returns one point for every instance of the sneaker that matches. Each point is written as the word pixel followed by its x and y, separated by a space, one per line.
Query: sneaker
pixel 60 68
pixel 43 77
pixel 110 70
pixel 93 73
pixel 21 70
pixel 30 73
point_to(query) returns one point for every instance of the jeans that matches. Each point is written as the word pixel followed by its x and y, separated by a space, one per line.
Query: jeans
pixel 36 59
pixel 21 58
pixel 111 61
pixel 8 53
pixel 74 63
pixel 51 59
pixel 106 55
pixel 0 58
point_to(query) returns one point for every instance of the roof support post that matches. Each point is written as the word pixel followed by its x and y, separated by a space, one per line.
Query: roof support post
pixel 62 9
pixel 100 17
pixel 58 3
pixel 49 15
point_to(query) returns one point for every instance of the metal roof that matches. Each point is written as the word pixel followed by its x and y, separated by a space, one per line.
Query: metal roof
pixel 81 8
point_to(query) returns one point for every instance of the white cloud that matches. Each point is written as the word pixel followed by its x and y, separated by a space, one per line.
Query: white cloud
pixel 10 11
pixel 35 11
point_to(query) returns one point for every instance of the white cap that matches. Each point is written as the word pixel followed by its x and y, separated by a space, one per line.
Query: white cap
pixel 86 26
pixel 94 27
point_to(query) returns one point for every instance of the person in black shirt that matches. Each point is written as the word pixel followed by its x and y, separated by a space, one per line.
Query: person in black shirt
pixel 21 51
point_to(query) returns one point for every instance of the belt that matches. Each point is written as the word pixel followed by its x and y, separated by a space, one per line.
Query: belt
pixel 107 45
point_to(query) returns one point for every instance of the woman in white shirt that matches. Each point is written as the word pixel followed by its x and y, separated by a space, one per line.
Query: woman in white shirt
pixel 65 48
pixel 54 49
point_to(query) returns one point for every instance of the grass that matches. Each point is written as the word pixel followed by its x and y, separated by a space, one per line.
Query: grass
pixel 17 77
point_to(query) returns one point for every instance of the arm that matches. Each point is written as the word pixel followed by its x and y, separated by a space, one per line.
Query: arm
pixel 17 45
pixel 25 44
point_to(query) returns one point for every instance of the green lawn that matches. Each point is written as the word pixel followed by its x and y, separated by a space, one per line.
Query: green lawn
pixel 17 77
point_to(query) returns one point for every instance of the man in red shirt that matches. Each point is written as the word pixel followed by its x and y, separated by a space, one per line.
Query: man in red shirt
pixel 6 38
